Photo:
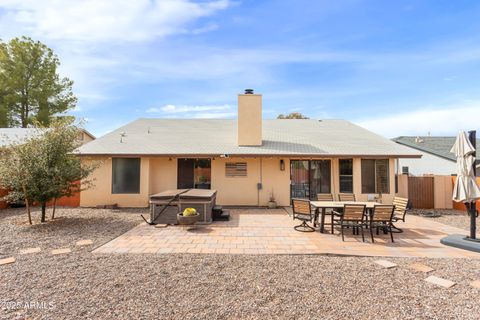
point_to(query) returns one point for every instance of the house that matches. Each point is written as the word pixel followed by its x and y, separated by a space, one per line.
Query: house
pixel 15 135
pixel 246 160
pixel 436 157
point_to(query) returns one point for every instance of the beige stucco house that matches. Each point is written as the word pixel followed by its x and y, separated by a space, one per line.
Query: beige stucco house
pixel 245 160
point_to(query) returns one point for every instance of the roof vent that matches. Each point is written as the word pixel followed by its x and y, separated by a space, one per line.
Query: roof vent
pixel 248 91
pixel 418 140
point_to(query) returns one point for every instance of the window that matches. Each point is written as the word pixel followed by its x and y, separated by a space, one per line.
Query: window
pixel 194 173
pixel 375 176
pixel 236 169
pixel 309 178
pixel 346 175
pixel 126 175
pixel 319 177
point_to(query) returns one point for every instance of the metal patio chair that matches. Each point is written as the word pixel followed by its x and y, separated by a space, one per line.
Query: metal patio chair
pixel 302 211
pixel 353 215
pixel 401 206
pixel 329 212
pixel 381 218
pixel 346 197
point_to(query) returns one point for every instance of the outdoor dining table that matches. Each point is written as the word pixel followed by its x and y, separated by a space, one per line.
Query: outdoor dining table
pixel 324 205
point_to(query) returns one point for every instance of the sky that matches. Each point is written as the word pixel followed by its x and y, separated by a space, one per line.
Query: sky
pixel 395 67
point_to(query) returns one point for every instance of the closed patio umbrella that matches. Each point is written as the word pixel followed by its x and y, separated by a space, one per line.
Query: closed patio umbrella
pixel 466 189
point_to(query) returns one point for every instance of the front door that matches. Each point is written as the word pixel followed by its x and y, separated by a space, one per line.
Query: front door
pixel 309 177
pixel 194 174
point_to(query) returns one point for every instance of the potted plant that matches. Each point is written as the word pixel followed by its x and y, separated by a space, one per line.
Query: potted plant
pixel 188 217
pixel 272 204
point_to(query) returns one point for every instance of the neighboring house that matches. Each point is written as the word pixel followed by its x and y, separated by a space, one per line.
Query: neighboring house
pixel 245 160
pixel 15 135
pixel 436 157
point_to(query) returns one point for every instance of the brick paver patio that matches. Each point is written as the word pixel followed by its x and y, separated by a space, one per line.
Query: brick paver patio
pixel 262 231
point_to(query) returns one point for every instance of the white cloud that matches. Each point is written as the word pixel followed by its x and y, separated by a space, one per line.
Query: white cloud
pixel 169 108
pixel 195 112
pixel 96 20
pixel 211 115
pixel 444 121
pixel 100 42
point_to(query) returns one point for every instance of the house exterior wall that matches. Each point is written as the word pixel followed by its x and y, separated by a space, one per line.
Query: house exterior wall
pixel 428 164
pixel 160 173
pixel 101 193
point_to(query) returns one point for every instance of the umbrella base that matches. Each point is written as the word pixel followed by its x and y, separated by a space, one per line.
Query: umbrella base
pixel 461 242
pixel 472 240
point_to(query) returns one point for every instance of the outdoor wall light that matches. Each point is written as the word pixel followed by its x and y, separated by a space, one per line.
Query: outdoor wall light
pixel 282 165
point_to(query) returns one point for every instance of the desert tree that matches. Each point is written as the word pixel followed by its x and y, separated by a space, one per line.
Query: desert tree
pixel 45 167
pixel 292 115
pixel 31 89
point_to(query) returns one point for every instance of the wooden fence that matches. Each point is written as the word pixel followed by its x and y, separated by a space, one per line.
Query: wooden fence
pixel 73 201
pixel 430 192
pixel 421 192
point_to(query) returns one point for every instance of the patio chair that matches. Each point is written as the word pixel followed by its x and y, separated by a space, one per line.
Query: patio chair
pixel 382 218
pixel 325 197
pixel 329 212
pixel 353 215
pixel 401 205
pixel 346 197
pixel 302 211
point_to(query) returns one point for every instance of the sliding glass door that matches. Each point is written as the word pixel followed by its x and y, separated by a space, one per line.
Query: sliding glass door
pixel 309 177
pixel 194 173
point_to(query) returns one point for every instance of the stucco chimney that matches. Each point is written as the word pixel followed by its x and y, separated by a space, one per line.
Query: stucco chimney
pixel 249 119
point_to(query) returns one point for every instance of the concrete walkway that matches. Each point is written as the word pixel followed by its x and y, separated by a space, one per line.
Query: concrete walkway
pixel 262 231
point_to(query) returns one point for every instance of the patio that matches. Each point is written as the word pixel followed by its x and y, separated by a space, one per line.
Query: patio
pixel 264 231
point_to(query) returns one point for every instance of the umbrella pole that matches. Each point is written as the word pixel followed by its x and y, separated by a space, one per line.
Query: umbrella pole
pixel 471 207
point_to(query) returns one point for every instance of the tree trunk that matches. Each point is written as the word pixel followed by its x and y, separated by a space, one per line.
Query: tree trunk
pixel 44 209
pixel 54 206
pixel 27 204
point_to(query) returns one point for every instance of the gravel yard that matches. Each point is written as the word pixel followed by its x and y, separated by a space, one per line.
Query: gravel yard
pixel 453 218
pixel 82 285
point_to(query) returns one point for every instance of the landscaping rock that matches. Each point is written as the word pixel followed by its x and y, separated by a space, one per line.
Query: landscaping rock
pixel 61 251
pixel 386 264
pixel 84 242
pixel 30 250
pixel 440 282
pixel 7 261
pixel 420 267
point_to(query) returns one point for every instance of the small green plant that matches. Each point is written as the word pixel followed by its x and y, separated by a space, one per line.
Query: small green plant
pixel 189 212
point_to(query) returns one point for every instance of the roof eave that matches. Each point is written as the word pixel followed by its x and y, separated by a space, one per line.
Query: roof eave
pixel 246 155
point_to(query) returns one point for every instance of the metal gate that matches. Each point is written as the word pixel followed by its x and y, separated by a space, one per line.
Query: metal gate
pixel 420 192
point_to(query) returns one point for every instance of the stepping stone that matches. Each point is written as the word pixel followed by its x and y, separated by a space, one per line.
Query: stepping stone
pixel 161 225
pixel 440 282
pixel 30 250
pixel 7 261
pixel 475 284
pixel 420 267
pixel 386 264
pixel 61 251
pixel 84 242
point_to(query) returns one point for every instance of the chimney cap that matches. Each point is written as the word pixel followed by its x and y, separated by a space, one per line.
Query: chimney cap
pixel 248 91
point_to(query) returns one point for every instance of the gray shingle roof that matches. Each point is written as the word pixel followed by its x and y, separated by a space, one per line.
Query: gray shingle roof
pixel 439 146
pixel 217 137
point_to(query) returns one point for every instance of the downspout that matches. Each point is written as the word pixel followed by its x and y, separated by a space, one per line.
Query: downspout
pixel 260 186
